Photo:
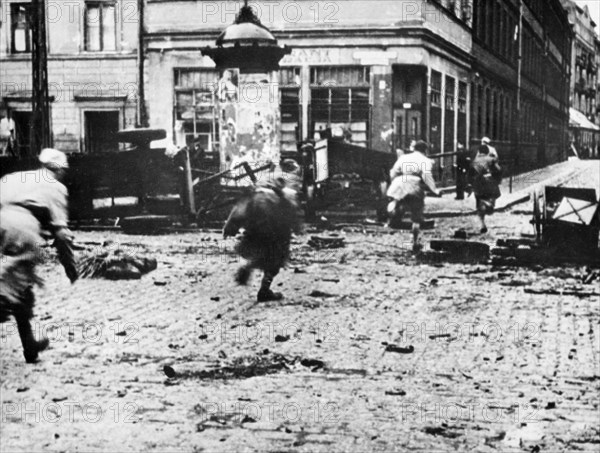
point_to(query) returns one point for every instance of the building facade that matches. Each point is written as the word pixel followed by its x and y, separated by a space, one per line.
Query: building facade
pixel 598 88
pixel 385 73
pixel 445 71
pixel 520 79
pixel 91 71
pixel 584 132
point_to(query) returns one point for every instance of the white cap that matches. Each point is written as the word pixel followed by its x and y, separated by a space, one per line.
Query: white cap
pixel 485 140
pixel 53 158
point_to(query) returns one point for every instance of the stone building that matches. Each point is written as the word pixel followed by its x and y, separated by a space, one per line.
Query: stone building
pixel 91 71
pixel 584 131
pixel 384 72
pixel 524 112
pixel 380 73
pixel 597 87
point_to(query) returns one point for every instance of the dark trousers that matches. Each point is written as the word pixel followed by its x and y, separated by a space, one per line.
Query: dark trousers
pixel 461 184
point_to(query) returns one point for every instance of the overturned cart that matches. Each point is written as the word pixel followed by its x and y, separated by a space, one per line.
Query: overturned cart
pixel 567 225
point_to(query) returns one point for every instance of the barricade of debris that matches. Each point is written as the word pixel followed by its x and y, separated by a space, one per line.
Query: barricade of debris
pixel 567 226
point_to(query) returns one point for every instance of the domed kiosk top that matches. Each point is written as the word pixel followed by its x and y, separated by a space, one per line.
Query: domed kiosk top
pixel 246 29
pixel 247 44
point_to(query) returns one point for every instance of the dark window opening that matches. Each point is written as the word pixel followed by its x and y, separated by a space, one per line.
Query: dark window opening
pixel 100 131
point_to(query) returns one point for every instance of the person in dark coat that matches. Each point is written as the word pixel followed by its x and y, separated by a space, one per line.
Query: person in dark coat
pixel 463 163
pixel 33 204
pixel 485 176
pixel 268 215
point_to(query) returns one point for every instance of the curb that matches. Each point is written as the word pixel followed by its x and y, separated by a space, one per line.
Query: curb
pixel 519 197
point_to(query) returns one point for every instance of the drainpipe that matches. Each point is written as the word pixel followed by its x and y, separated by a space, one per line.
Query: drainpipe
pixel 518 104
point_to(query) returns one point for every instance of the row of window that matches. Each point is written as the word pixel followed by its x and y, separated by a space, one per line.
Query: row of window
pixel 450 95
pixel 492 114
pixel 100 26
pixel 496 25
pixel 340 96
pixel 533 55
pixel 491 109
pixel 584 104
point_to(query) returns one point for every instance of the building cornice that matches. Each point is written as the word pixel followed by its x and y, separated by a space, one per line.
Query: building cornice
pixel 63 57
pixel 365 37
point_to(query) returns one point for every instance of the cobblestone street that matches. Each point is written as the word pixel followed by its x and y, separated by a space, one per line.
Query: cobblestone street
pixel 371 350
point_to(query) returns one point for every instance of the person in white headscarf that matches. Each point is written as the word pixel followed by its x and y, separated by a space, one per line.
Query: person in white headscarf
pixel 488 142
pixel 33 205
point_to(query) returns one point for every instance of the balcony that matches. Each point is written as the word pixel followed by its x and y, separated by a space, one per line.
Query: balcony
pixel 591 92
pixel 581 61
pixel 580 85
pixel 593 68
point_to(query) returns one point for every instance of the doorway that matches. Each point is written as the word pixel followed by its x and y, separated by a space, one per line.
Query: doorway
pixel 23 121
pixel 407 123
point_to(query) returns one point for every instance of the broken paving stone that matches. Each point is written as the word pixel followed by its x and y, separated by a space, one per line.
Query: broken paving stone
pixel 400 350
pixel 203 336
pixel 395 392
pixel 169 371
pixel 299 271
pixel 564 292
pixel 281 338
pixel 215 298
pixel 551 405
pixel 440 431
pixel 323 242
pixel 160 283
pixel 58 399
pixel 22 389
pixel 317 293
pixel 222 355
pixel 314 364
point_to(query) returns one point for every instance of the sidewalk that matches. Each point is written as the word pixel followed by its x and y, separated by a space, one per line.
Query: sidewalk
pixel 523 185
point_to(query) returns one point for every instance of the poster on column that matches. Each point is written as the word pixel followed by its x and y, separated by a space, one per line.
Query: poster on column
pixel 249 121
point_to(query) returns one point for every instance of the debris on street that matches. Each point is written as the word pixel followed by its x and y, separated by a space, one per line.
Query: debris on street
pixel 116 265
pixel 326 242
